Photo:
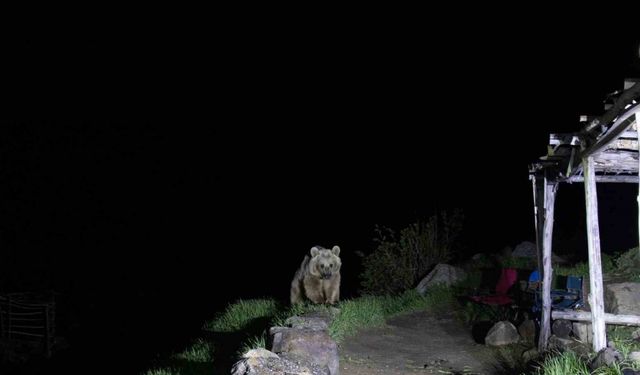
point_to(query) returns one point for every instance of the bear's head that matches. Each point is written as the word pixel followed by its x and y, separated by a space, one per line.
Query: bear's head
pixel 324 262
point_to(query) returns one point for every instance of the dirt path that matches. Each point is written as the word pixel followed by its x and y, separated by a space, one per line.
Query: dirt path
pixel 418 343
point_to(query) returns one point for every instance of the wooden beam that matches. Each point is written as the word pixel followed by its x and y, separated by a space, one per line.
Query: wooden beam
pixel 596 299
pixel 547 271
pixel 620 179
pixel 615 130
pixel 623 100
pixel 585 316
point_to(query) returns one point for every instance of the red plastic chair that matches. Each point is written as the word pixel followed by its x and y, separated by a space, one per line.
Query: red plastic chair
pixel 508 278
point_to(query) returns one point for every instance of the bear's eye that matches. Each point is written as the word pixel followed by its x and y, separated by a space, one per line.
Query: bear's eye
pixel 331 265
pixel 322 266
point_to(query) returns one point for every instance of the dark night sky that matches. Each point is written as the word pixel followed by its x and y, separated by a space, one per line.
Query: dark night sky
pixel 298 139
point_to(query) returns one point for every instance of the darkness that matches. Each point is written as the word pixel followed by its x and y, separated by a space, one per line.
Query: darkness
pixel 284 139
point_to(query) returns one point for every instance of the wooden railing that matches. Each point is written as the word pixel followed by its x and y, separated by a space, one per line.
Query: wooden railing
pixel 27 319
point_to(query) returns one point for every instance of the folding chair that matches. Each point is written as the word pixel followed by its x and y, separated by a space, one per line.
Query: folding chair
pixel 568 298
pixel 502 300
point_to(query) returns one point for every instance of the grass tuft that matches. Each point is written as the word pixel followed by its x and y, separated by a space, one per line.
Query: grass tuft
pixel 240 314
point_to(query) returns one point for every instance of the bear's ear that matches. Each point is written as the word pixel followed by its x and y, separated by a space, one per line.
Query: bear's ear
pixel 315 251
pixel 336 250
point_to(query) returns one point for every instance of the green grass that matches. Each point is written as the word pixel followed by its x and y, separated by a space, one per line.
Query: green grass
pixel 610 264
pixel 196 359
pixel 623 342
pixel 373 311
pixel 162 371
pixel 562 364
pixel 200 351
pixel 279 319
pixel 355 314
pixel 254 342
pixel 568 362
pixel 239 315
pixel 579 269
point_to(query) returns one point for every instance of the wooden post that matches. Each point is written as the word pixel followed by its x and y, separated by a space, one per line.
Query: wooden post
pixel 596 299
pixel 538 216
pixel 547 271
pixel 638 136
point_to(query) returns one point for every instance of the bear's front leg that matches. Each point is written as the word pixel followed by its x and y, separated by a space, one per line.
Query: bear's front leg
pixel 313 290
pixel 333 291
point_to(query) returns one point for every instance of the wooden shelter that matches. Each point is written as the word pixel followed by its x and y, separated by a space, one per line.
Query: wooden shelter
pixel 605 150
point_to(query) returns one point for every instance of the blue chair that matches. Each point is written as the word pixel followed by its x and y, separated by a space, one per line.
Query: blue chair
pixel 568 298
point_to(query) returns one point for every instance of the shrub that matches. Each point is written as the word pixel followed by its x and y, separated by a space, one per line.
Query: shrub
pixel 399 261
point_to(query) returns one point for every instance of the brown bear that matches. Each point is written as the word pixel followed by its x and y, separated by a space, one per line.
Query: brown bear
pixel 318 278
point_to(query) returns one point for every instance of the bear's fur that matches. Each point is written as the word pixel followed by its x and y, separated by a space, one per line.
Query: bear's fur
pixel 318 278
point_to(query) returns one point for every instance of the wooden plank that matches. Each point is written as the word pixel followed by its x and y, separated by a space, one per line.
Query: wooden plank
pixel 585 316
pixel 614 131
pixel 616 161
pixel 596 299
pixel 547 271
pixel 620 179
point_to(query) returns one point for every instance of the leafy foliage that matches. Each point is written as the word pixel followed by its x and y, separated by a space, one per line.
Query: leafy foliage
pixel 399 261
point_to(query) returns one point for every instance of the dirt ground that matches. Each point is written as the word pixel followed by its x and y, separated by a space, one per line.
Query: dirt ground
pixel 418 343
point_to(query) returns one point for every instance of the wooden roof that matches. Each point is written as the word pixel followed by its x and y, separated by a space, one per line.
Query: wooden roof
pixel 611 139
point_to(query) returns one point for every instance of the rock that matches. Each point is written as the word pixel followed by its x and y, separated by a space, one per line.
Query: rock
pixel 259 353
pixel 275 366
pixel 562 328
pixel 306 342
pixel 442 274
pixel 634 356
pixel 525 249
pixel 313 323
pixel 527 330
pixel 560 343
pixel 502 333
pixel 636 334
pixel 606 357
pixel 622 298
pixel 582 331
pixel 530 355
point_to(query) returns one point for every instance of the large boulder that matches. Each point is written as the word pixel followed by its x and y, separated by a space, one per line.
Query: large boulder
pixel 307 340
pixel 525 249
pixel 583 332
pixel 606 357
pixel 262 361
pixel 562 328
pixel 527 330
pixel 622 298
pixel 502 333
pixel 442 274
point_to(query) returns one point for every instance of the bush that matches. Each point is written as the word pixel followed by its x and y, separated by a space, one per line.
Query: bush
pixel 399 261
